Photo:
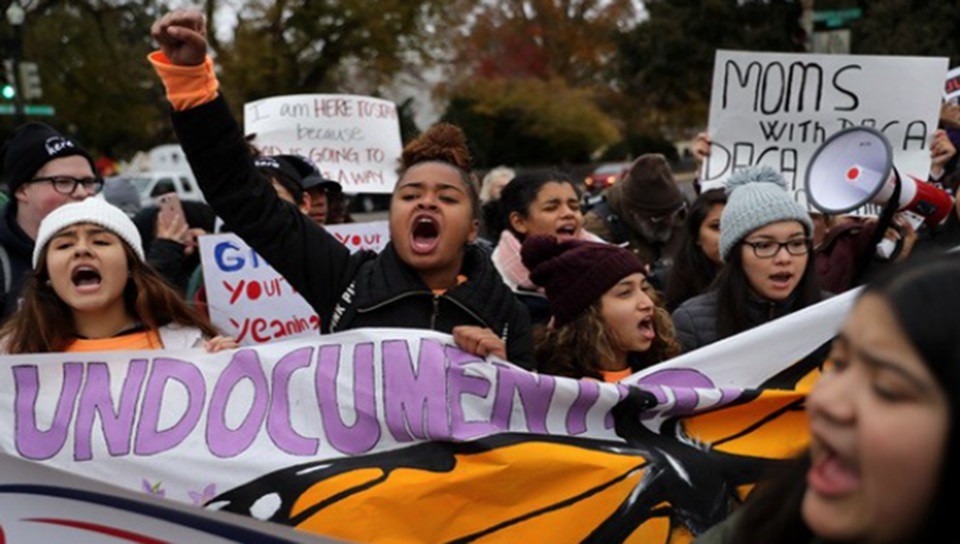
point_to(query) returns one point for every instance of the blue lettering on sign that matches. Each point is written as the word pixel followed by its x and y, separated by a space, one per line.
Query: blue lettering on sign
pixel 233 261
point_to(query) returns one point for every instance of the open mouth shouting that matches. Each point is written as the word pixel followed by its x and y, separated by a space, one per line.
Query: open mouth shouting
pixel 425 234
pixel 831 473
pixel 782 280
pixel 566 230
pixel 86 279
pixel 647 328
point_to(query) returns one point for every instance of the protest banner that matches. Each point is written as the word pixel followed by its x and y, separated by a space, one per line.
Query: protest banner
pixel 951 89
pixel 372 235
pixel 396 435
pixel 246 298
pixel 42 504
pixel 775 109
pixel 354 140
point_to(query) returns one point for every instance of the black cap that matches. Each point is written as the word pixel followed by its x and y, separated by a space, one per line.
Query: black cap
pixel 32 146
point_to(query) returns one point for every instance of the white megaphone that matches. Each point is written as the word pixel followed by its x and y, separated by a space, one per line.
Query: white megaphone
pixel 855 167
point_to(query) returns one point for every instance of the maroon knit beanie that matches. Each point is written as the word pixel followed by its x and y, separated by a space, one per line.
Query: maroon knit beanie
pixel 575 273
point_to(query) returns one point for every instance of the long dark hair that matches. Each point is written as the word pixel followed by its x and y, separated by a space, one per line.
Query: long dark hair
pixel 521 193
pixel 923 295
pixel 733 293
pixel 45 323
pixel 692 271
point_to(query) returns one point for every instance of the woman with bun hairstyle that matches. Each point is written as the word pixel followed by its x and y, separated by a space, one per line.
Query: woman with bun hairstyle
pixel 765 243
pixel 883 425
pixel 607 321
pixel 91 290
pixel 430 275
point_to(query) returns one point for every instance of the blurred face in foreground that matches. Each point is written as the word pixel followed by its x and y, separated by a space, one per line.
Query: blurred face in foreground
pixel 878 423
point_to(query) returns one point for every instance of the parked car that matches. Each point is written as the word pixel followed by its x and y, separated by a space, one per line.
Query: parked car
pixel 605 175
pixel 151 185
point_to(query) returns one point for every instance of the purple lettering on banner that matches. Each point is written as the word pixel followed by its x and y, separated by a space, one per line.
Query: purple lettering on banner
pixel 589 392
pixel 150 438
pixel 279 427
pixel 116 422
pixel 31 442
pixel 683 382
pixel 364 434
pixel 221 439
pixel 535 391
pixel 415 400
pixel 461 384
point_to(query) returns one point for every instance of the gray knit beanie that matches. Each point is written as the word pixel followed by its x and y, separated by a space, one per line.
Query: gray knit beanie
pixel 757 196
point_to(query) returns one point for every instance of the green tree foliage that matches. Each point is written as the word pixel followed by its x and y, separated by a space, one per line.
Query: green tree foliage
pixel 664 65
pixel 91 58
pixel 305 46
pixel 528 75
pixel 902 27
pixel 530 121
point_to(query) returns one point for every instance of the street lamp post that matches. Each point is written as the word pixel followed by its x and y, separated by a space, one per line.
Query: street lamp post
pixel 15 16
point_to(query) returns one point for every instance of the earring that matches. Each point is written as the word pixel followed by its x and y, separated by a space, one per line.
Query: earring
pixel 48 283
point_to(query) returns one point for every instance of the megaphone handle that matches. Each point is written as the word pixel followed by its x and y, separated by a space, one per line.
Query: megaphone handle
pixel 883 223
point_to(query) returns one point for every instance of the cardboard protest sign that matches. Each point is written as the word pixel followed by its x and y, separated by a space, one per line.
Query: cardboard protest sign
pixel 372 235
pixel 392 434
pixel 354 140
pixel 246 298
pixel 775 109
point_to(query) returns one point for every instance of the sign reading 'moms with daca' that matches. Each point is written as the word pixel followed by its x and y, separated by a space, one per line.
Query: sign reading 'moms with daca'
pixel 393 434
pixel 354 140
pixel 775 109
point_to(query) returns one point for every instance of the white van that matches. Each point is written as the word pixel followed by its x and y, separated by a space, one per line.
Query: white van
pixel 150 185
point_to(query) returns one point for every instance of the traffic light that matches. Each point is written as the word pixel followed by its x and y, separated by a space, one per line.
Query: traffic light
pixel 7 89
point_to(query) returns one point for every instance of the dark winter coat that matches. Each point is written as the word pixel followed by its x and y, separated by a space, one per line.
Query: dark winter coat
pixel 17 261
pixel 347 291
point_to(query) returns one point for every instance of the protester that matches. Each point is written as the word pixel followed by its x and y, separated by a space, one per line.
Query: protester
pixel 544 203
pixel 768 271
pixel 494 220
pixel 698 258
pixel 91 290
pixel 607 322
pixel 325 195
pixel 883 424
pixel 171 244
pixel 43 170
pixel 645 210
pixel 429 276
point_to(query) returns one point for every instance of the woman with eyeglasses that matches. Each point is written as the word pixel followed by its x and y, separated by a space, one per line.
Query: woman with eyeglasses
pixel 768 270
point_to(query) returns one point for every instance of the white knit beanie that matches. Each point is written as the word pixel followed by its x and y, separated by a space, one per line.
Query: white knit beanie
pixel 757 196
pixel 92 210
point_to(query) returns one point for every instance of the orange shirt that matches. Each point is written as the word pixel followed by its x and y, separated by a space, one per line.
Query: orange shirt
pixel 611 376
pixel 134 341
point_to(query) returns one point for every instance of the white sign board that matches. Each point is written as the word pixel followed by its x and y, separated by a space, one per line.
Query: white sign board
pixel 249 300
pixel 372 235
pixel 354 140
pixel 777 108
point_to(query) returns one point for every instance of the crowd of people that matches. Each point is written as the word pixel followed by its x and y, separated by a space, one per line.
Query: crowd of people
pixel 522 271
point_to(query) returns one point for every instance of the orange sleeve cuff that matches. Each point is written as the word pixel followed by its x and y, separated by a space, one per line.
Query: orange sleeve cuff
pixel 187 86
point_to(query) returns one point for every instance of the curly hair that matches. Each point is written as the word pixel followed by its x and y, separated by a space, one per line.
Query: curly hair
pixel 447 144
pixel 45 323
pixel 575 350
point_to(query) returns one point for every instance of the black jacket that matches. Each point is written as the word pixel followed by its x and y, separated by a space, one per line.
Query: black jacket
pixel 19 254
pixel 347 291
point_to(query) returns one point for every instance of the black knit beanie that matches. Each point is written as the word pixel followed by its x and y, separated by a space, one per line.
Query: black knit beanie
pixel 32 146
pixel 575 273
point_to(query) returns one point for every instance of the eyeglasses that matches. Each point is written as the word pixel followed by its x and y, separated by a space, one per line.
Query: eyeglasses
pixel 767 249
pixel 66 185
